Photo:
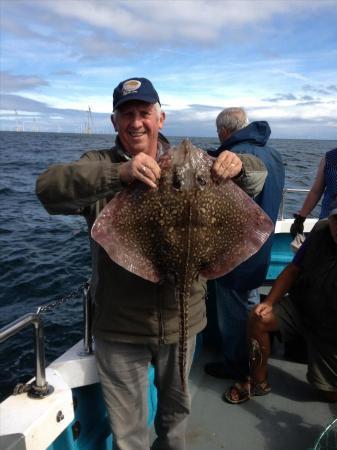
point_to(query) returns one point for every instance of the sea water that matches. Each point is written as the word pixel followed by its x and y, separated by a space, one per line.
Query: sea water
pixel 45 257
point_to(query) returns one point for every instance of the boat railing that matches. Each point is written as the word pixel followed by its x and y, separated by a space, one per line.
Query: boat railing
pixel 40 388
pixel 285 191
pixel 87 313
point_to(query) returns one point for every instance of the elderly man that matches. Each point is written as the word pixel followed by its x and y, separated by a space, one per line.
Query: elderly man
pixel 236 293
pixel 136 322
pixel 309 310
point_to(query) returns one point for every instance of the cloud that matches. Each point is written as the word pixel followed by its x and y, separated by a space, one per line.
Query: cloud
pixel 17 102
pixel 205 107
pixel 22 31
pixel 151 22
pixel 289 74
pixel 64 55
pixel 280 97
pixel 193 120
pixel 307 98
pixel 199 20
pixel 63 73
pixel 196 121
pixel 38 114
pixel 15 83
pixel 326 92
pixel 96 46
pixel 320 90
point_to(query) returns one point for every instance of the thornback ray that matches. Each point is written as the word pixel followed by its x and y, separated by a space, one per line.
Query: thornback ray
pixel 190 226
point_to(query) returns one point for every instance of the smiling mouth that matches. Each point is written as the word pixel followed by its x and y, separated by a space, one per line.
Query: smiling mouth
pixel 138 134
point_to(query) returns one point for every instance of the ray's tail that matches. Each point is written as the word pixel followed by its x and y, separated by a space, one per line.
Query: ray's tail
pixel 183 337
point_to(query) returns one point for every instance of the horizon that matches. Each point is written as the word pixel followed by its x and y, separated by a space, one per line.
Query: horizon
pixel 276 59
pixel 113 135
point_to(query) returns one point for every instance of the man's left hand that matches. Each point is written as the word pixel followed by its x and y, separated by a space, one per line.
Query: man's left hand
pixel 227 165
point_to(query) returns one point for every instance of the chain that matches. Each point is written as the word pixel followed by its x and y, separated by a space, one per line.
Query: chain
pixel 20 388
pixel 61 301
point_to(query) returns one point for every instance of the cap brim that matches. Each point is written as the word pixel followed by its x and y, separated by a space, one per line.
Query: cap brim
pixel 133 97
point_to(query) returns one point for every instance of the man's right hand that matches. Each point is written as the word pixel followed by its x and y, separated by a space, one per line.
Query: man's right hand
pixel 297 226
pixel 143 168
pixel 227 165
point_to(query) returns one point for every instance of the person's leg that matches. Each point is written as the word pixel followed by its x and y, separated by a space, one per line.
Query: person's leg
pixel 123 372
pixel 174 403
pixel 285 318
pixel 259 345
pixel 259 351
pixel 233 309
pixel 232 313
pixel 211 335
pixel 330 397
pixel 322 367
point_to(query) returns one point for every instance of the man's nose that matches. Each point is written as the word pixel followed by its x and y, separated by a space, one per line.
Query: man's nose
pixel 136 121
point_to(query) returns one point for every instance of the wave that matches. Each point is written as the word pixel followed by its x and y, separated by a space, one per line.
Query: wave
pixel 6 191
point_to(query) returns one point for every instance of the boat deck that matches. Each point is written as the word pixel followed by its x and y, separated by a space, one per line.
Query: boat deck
pixel 291 417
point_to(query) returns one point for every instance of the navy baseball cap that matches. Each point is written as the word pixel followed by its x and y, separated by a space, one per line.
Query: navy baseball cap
pixel 333 207
pixel 134 89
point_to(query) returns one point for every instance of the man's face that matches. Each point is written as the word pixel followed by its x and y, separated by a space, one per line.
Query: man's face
pixel 138 124
pixel 333 227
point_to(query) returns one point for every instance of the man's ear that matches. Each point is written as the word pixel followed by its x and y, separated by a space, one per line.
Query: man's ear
pixel 162 119
pixel 113 120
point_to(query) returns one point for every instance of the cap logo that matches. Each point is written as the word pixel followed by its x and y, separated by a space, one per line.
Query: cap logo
pixel 131 86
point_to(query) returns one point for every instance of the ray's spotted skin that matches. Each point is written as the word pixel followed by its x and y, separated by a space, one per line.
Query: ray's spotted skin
pixel 190 226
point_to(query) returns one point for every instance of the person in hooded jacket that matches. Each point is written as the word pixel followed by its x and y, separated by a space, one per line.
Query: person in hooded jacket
pixel 235 294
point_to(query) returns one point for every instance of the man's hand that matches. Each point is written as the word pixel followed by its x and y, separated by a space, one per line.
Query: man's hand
pixel 143 168
pixel 262 310
pixel 297 226
pixel 227 165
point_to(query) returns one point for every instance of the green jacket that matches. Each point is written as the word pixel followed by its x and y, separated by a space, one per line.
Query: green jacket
pixel 127 307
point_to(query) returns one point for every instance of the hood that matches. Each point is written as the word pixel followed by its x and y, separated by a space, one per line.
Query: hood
pixel 255 133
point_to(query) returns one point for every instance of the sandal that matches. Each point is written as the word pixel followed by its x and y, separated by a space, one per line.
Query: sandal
pixel 262 388
pixel 243 393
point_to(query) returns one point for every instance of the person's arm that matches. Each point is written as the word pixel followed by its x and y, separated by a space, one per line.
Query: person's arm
pixel 310 201
pixel 283 283
pixel 281 286
pixel 316 191
pixel 254 174
pixel 70 188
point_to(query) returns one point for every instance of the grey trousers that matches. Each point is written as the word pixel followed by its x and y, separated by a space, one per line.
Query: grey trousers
pixel 123 372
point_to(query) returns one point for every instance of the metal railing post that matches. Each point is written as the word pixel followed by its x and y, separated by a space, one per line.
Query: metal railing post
pixel 40 362
pixel 285 190
pixel 87 311
pixel 38 388
pixel 282 203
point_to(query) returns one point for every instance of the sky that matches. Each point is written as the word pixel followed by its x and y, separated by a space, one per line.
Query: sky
pixel 276 58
